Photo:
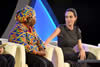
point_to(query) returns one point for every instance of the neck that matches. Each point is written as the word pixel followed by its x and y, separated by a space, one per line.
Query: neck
pixel 71 27
pixel 28 25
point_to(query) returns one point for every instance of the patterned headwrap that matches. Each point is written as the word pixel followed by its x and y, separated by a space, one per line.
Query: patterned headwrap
pixel 24 13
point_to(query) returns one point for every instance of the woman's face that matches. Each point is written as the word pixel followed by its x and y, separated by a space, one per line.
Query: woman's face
pixel 70 18
pixel 34 19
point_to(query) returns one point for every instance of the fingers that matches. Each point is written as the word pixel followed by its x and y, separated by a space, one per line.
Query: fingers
pixel 82 55
pixel 42 53
pixel 45 45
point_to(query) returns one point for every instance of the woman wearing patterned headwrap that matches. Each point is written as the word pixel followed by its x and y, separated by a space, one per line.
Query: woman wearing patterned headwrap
pixel 24 33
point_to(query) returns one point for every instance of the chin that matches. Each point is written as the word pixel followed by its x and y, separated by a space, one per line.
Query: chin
pixel 70 24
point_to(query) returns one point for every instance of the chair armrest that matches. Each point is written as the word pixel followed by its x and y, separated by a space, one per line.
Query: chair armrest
pixel 18 51
pixel 20 56
pixel 4 40
pixel 66 64
pixel 95 50
pixel 58 57
pixel 11 49
pixel 49 53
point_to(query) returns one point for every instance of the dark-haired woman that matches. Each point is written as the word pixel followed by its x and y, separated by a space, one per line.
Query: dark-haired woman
pixel 68 36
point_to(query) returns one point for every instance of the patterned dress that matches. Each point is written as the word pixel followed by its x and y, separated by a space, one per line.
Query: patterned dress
pixel 26 36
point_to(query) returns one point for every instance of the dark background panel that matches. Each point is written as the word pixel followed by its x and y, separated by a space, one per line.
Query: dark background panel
pixel 7 8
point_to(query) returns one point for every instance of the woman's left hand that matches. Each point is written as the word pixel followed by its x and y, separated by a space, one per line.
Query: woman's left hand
pixel 82 54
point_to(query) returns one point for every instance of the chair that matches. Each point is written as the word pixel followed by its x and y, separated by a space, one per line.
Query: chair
pixel 53 53
pixel 18 51
pixel 58 60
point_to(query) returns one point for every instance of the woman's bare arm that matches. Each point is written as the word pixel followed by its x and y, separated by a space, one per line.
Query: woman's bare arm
pixel 80 44
pixel 54 34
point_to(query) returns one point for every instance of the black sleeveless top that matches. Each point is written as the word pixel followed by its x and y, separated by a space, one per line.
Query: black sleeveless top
pixel 68 38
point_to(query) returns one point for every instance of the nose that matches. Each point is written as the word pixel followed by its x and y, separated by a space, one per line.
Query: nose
pixel 68 19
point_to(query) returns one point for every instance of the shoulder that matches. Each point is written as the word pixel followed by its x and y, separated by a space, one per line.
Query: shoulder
pixel 19 27
pixel 77 28
pixel 61 26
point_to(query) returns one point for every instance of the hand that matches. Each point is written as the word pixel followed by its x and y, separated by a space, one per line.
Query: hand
pixel 1 50
pixel 45 44
pixel 42 53
pixel 82 55
pixel 42 49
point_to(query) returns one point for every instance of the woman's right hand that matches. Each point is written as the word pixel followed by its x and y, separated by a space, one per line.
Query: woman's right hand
pixel 45 44
pixel 41 53
pixel 82 55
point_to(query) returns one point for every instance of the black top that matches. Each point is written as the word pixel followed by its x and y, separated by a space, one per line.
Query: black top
pixel 68 38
